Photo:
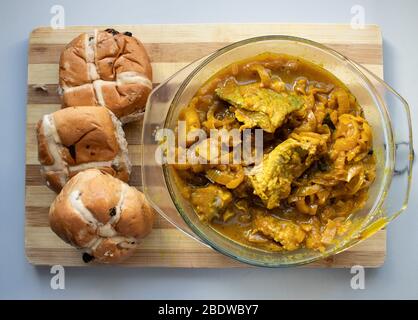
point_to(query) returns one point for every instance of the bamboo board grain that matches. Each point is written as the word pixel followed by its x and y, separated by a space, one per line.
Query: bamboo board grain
pixel 170 47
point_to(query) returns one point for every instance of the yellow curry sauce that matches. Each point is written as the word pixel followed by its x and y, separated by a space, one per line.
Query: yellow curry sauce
pixel 318 160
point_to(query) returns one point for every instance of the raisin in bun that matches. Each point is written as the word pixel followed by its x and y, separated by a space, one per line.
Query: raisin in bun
pixel 102 216
pixel 74 139
pixel 106 68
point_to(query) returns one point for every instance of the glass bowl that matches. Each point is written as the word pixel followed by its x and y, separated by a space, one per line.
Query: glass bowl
pixel 385 110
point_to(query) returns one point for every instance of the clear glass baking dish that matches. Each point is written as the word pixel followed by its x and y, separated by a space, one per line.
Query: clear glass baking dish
pixel 387 112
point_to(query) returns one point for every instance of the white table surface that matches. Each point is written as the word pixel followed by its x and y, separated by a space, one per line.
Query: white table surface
pixel 398 278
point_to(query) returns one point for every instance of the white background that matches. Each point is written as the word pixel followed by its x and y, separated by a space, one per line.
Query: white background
pixel 398 278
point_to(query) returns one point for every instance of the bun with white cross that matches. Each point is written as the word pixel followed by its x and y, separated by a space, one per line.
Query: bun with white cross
pixel 78 138
pixel 102 216
pixel 106 68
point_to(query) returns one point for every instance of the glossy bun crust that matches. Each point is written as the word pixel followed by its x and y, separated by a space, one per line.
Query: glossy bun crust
pixel 108 69
pixel 101 215
pixel 74 139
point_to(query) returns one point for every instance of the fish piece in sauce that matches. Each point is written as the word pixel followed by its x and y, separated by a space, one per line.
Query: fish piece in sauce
pixel 273 178
pixel 259 107
pixel 209 202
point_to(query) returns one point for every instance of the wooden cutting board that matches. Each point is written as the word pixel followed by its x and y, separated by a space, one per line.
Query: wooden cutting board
pixel 170 48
